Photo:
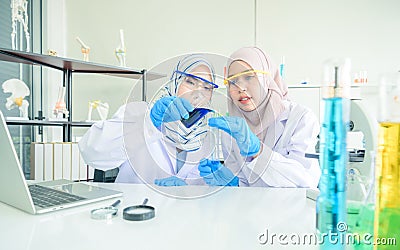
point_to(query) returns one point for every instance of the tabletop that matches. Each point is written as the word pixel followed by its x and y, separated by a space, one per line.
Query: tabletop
pixel 225 218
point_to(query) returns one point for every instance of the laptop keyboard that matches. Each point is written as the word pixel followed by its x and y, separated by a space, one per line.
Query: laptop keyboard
pixel 47 197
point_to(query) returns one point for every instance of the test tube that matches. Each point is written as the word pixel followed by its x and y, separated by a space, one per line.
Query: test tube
pixel 387 207
pixel 282 67
pixel 214 141
pixel 331 203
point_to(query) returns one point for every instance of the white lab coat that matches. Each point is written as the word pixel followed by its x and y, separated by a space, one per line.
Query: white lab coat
pixel 130 141
pixel 282 162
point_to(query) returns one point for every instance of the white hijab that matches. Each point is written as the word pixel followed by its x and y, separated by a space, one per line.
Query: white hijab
pixel 187 139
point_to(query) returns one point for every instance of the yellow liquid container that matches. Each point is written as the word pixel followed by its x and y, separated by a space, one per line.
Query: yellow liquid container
pixel 387 207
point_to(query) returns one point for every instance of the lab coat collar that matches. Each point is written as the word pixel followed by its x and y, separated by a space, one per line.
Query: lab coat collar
pixel 274 131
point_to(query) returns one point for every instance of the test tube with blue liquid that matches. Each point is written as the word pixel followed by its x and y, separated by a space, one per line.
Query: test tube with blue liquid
pixel 331 203
pixel 282 67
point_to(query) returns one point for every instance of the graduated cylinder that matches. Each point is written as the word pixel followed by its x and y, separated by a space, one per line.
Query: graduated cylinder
pixel 387 207
pixel 331 203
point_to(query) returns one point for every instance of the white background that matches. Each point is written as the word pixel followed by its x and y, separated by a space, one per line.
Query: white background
pixel 306 32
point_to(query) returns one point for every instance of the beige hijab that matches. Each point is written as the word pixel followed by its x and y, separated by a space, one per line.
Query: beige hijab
pixel 275 91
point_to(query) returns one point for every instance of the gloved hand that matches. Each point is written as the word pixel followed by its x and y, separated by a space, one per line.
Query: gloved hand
pixel 248 142
pixel 216 174
pixel 170 181
pixel 169 109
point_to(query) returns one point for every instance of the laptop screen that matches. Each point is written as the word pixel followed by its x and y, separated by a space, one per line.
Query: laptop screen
pixel 13 187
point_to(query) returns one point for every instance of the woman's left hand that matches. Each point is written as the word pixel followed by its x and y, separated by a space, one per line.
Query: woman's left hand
pixel 248 142
pixel 170 181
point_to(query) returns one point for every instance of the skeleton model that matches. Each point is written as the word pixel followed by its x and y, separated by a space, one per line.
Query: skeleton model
pixel 60 108
pixel 19 91
pixel 84 49
pixel 19 13
pixel 102 109
pixel 120 51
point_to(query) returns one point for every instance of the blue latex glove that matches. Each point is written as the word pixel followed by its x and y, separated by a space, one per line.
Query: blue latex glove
pixel 248 142
pixel 169 109
pixel 216 174
pixel 170 181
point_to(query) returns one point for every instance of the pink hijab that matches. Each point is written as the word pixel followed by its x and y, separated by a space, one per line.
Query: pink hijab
pixel 275 91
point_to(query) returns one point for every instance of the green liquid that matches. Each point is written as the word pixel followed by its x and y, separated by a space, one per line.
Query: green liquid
pixel 364 226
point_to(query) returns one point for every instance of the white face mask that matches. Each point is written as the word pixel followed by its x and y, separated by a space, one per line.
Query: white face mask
pixel 187 139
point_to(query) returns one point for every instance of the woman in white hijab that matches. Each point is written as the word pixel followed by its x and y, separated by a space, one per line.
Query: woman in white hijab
pixel 267 136
pixel 149 143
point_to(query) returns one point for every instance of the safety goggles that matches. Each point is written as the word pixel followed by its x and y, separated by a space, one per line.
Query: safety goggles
pixel 196 81
pixel 233 80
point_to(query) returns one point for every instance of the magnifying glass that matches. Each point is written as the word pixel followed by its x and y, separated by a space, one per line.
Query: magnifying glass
pixel 139 212
pixel 105 213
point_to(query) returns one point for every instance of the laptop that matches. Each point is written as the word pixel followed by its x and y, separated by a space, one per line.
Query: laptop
pixel 40 197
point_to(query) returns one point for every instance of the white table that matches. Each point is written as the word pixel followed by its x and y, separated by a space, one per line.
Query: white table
pixel 233 218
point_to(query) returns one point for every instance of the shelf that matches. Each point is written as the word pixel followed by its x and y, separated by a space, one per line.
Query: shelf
pixel 48 123
pixel 69 67
pixel 365 85
pixel 36 122
pixel 303 86
pixel 81 124
pixel 75 66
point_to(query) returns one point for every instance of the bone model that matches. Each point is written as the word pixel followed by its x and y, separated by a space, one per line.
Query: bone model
pixel 102 109
pixel 19 91
pixel 120 51
pixel 84 49
pixel 19 13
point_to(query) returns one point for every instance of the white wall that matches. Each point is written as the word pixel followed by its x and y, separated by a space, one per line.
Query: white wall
pixel 306 32
pixel 53 37
pixel 154 31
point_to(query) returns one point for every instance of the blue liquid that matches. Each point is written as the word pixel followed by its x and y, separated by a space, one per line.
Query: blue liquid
pixel 331 204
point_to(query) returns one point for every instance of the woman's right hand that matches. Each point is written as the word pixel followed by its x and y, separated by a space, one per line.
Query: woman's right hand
pixel 169 109
pixel 216 174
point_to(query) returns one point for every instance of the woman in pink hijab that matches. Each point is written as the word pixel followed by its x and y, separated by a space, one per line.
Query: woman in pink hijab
pixel 267 135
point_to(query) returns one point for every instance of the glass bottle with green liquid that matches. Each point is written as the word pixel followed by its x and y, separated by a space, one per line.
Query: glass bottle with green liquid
pixel 364 226
pixel 331 203
pixel 387 178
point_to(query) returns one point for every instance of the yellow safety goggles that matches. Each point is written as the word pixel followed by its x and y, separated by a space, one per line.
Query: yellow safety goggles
pixel 230 80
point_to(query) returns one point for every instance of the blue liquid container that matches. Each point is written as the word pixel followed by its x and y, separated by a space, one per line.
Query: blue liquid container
pixel 282 67
pixel 331 203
